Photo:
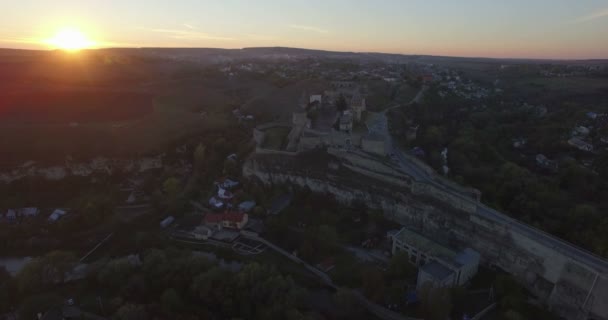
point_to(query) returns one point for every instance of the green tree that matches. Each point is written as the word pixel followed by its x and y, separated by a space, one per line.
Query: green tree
pixel 347 304
pixel 199 156
pixel 32 305
pixel 327 234
pixel 373 284
pixel 131 312
pixel 5 288
pixel 436 302
pixel 155 266
pixel 318 242
pixel 510 293
pixel 171 187
pixel 171 302
pixel 136 288
pixel 209 286
pixel 433 136
pixel 400 268
pixel 258 211
pixel 257 284
pixel 341 104
pixel 115 273
pixel 601 165
pixel 46 271
pixel 513 315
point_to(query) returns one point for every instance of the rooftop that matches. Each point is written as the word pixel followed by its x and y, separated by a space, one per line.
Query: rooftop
pixel 346 118
pixel 213 218
pixel 437 270
pixel 247 205
pixel 468 256
pixel 234 216
pixel 357 100
pixel 425 244
pixel 226 216
pixel 374 137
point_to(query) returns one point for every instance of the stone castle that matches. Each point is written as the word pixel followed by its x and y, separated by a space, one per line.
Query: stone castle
pixel 318 122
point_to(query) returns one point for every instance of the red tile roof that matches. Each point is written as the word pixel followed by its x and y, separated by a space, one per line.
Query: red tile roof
pixel 234 216
pixel 226 216
pixel 213 218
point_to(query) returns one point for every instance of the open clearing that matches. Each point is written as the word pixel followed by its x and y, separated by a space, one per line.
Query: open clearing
pixel 73 106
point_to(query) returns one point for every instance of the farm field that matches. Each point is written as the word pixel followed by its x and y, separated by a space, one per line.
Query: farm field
pixel 55 107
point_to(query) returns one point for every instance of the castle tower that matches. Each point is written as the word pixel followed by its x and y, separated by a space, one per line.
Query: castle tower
pixel 303 101
pixel 357 104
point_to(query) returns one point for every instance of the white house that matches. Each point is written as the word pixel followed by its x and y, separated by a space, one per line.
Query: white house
pixel 580 144
pixel 227 183
pixel 167 221
pixel 202 233
pixel 56 215
pixel 316 98
pixel 216 203
pixel 224 194
pixel 11 215
pixel 28 212
pixel 581 131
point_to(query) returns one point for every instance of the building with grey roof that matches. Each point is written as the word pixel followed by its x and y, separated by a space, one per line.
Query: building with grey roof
pixel 438 264
pixel 437 274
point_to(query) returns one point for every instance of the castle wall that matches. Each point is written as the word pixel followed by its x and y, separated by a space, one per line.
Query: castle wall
pixel 568 285
pixel 374 146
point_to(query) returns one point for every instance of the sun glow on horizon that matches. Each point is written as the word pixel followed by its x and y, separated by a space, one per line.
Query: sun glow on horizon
pixel 70 39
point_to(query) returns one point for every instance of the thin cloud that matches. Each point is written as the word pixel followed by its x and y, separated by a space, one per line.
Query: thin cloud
pixel 308 28
pixel 113 44
pixel 188 34
pixel 21 40
pixel 260 37
pixel 593 16
pixel 189 26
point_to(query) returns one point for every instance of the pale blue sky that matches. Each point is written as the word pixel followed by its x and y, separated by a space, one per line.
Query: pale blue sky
pixel 514 28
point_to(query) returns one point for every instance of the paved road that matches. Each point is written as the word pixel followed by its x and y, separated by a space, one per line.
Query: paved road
pixel 380 126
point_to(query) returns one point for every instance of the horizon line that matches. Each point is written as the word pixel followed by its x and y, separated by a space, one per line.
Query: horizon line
pixel 323 50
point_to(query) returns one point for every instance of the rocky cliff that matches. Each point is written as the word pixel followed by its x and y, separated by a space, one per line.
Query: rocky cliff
pixel 571 285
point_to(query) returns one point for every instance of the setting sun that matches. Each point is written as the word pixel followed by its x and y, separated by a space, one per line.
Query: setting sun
pixel 70 39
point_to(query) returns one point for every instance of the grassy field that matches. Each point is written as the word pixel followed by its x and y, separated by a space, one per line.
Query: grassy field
pixel 269 102
pixel 63 106
pixel 383 94
pixel 276 138
pixel 149 134
pixel 122 125
pixel 104 103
